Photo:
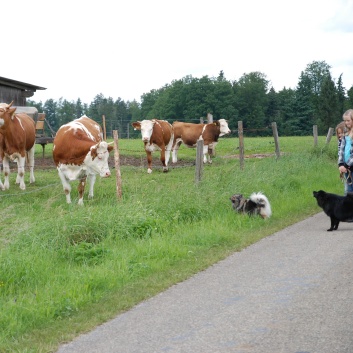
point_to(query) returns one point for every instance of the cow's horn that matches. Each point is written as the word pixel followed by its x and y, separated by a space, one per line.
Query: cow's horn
pixel 9 105
pixel 110 143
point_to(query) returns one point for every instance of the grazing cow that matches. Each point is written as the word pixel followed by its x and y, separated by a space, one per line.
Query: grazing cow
pixel 17 143
pixel 79 153
pixel 189 134
pixel 157 135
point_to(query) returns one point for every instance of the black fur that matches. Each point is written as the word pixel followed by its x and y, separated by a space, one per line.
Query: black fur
pixel 338 208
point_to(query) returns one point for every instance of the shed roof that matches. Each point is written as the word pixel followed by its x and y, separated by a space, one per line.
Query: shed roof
pixel 19 85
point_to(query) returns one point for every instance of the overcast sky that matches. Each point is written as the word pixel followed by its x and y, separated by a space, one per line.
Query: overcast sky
pixel 124 48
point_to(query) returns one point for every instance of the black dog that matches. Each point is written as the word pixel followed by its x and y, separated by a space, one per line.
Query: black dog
pixel 338 208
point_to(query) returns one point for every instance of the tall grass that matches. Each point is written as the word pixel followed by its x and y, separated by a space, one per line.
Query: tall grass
pixel 66 268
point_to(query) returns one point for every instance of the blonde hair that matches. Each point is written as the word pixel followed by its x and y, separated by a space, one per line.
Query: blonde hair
pixel 349 113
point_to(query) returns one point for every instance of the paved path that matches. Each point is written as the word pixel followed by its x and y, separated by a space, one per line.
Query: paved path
pixel 291 292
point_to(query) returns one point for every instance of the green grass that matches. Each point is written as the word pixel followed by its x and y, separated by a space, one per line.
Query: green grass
pixel 65 268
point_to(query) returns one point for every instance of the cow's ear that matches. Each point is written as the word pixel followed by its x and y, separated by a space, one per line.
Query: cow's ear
pixel 136 125
pixel 12 112
pixel 110 148
pixel 93 150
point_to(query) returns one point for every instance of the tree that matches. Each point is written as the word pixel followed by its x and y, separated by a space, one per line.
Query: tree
pixel 252 101
pixel 341 96
pixel 147 102
pixel 133 114
pixel 316 72
pixel 349 101
pixel 79 108
pixel 65 111
pixel 328 105
pixel 304 107
pixel 49 108
pixel 224 101
pixel 39 105
pixel 286 114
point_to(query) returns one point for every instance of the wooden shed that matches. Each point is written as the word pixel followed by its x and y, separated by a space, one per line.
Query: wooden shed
pixel 11 90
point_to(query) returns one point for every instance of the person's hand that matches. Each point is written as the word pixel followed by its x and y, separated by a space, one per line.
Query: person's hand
pixel 342 169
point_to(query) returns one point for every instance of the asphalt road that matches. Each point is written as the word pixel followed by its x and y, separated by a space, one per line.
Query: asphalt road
pixel 291 292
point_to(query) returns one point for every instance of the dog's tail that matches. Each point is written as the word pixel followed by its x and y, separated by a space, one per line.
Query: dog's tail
pixel 262 202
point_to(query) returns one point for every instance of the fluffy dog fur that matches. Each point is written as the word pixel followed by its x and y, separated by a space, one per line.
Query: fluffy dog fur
pixel 338 208
pixel 257 204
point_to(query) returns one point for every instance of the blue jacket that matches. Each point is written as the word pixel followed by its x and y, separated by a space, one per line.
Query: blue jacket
pixel 348 164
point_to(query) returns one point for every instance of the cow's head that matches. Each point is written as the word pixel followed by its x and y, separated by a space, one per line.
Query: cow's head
pixel 146 127
pixel 223 127
pixel 97 159
pixel 6 112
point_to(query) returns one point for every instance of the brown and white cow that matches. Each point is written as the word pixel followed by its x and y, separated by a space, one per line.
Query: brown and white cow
pixel 79 153
pixel 17 143
pixel 157 135
pixel 189 134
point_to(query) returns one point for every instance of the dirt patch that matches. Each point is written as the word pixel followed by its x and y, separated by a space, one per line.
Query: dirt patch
pixel 47 162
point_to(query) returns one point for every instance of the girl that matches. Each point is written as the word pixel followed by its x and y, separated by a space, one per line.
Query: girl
pixel 339 134
pixel 345 156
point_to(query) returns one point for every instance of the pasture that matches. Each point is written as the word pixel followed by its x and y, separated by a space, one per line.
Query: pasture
pixel 66 268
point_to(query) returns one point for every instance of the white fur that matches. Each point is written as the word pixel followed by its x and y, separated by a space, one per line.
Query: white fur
pixel 260 199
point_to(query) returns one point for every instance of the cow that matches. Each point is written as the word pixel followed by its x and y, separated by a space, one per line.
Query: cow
pixel 79 152
pixel 157 135
pixel 17 144
pixel 189 134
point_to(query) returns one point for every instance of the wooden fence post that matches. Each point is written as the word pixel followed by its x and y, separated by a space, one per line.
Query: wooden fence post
pixel 212 150
pixel 199 161
pixel 329 135
pixel 241 144
pixel 104 129
pixel 117 165
pixel 315 134
pixel 275 136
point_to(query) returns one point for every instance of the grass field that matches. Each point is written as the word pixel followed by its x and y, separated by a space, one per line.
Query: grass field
pixel 65 269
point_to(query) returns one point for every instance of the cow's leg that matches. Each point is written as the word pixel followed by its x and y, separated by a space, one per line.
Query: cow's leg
pixel 163 160
pixel 91 181
pixel 6 166
pixel 31 165
pixel 1 184
pixel 81 190
pixel 20 179
pixel 175 150
pixel 206 156
pixel 66 186
pixel 168 151
pixel 211 151
pixel 149 162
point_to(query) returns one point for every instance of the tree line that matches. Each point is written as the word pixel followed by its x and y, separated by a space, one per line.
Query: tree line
pixel 318 100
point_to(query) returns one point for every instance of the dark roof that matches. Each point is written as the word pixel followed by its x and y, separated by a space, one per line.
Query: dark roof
pixel 20 85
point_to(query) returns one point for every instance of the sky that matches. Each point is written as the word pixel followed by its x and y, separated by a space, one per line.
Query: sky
pixel 125 48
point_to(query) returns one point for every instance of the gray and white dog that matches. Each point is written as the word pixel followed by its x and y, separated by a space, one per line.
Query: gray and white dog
pixel 257 204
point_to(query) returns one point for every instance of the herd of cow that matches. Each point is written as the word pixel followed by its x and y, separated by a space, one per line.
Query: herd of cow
pixel 80 153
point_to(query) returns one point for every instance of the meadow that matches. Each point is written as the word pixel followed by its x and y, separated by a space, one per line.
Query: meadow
pixel 66 268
